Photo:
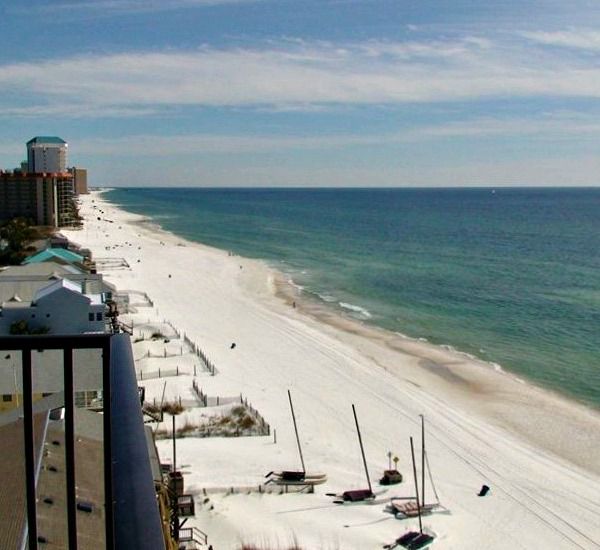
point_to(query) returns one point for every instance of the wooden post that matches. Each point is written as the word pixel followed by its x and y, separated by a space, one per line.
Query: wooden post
pixel 174 446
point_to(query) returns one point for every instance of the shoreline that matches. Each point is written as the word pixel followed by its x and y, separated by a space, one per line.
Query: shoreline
pixel 538 452
pixel 468 376
pixel 318 305
pixel 478 379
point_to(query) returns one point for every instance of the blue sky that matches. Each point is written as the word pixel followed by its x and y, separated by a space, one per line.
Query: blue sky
pixel 306 92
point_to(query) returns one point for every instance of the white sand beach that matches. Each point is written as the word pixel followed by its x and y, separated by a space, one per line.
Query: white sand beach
pixel 538 452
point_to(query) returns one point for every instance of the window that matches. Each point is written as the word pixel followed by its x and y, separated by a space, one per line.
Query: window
pixel 6 397
pixel 98 316
pixel 91 317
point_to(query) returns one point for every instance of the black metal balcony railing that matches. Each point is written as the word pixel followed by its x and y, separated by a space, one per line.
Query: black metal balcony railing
pixel 128 486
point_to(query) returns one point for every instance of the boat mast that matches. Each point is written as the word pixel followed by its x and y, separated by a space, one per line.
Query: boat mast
pixel 422 460
pixel 412 452
pixel 362 450
pixel 296 430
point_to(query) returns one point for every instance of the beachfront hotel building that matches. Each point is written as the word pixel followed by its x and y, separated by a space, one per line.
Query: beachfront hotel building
pixel 45 199
pixel 80 177
pixel 42 189
pixel 47 154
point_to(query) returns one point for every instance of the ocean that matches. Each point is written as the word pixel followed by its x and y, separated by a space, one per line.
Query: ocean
pixel 511 276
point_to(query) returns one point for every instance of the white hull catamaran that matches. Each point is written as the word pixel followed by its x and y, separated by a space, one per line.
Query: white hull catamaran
pixel 409 508
pixel 414 540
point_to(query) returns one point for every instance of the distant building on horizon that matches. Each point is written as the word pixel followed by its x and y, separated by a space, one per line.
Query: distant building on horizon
pixel 45 199
pixel 43 190
pixel 80 176
pixel 47 154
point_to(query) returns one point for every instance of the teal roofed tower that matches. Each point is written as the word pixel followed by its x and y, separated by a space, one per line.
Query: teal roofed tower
pixel 47 139
pixel 46 154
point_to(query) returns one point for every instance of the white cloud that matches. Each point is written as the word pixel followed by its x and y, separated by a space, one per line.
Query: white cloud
pixel 543 132
pixel 298 75
pixel 168 146
pixel 578 39
pixel 75 111
pixel 110 7
pixel 550 127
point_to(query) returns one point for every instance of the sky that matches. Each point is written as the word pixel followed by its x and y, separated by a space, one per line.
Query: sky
pixel 307 92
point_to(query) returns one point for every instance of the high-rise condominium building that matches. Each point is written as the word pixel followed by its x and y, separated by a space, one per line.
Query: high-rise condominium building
pixel 44 199
pixel 80 176
pixel 46 154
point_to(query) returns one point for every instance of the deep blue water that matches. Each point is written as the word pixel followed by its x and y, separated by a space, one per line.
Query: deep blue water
pixel 511 276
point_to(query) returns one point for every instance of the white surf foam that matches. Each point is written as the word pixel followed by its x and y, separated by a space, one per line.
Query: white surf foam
pixel 356 309
pixel 295 285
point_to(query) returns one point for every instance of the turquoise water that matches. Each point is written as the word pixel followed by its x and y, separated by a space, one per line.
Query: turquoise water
pixel 511 276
